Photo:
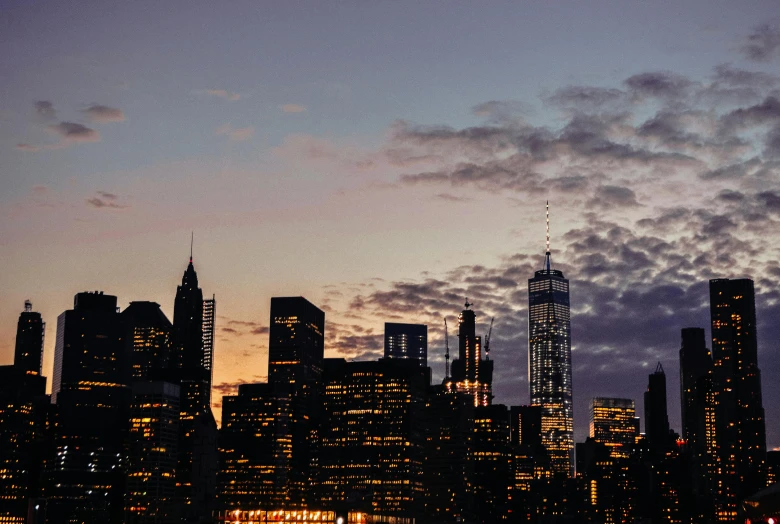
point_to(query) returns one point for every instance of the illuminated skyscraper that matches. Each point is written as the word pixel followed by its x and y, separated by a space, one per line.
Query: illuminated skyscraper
pixel 741 434
pixel 196 465
pixel 148 339
pixel 296 341
pixel 549 361
pixel 407 341
pixel 471 373
pixel 613 423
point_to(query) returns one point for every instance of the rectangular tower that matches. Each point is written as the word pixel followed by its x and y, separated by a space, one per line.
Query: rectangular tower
pixel 296 341
pixel 549 363
pixel 407 341
pixel 613 423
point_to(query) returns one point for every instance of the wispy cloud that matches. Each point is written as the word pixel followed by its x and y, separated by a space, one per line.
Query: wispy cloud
pixel 763 44
pixel 105 200
pixel 74 132
pixel 293 108
pixel 45 110
pixel 104 114
pixel 224 93
pixel 240 134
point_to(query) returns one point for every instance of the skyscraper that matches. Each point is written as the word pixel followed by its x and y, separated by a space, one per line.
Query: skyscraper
pixel 613 423
pixel 695 364
pixel 407 341
pixel 28 353
pixel 741 434
pixel 90 381
pixel 148 339
pixel 196 425
pixel 470 372
pixel 656 416
pixel 296 341
pixel 549 360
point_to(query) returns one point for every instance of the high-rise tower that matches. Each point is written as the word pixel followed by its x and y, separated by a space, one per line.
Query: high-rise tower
pixel 549 360
pixel 28 353
pixel 741 434
pixel 656 415
pixel 471 373
pixel 407 341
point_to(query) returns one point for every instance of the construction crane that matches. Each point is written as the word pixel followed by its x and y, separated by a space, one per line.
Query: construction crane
pixel 447 354
pixel 487 340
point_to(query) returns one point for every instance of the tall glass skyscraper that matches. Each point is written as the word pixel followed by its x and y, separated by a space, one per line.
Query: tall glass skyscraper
pixel 549 360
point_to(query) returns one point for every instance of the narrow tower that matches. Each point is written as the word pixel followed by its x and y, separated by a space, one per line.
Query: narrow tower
pixel 28 353
pixel 549 359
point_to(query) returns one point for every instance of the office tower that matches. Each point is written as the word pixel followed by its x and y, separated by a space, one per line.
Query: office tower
pixel 148 338
pixel 255 446
pixel 613 423
pixel 209 323
pixel 491 462
pixel 296 341
pixel 695 365
pixel 28 353
pixel 526 425
pixel 373 438
pixel 741 435
pixel 470 373
pixel 449 421
pixel 196 422
pixel 407 341
pixel 152 454
pixel 549 360
pixel 23 409
pixel 91 374
pixel 531 464
pixel 656 418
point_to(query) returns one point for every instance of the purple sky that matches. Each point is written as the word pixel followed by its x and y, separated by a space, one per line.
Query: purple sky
pixel 388 159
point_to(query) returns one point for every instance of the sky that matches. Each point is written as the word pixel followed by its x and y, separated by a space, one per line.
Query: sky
pixel 387 160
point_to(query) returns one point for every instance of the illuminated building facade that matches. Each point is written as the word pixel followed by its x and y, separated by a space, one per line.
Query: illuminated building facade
pixel 255 446
pixel 152 454
pixel 197 451
pixel 373 436
pixel 407 341
pixel 549 361
pixel 741 433
pixel 28 352
pixel 86 479
pixel 470 373
pixel 209 323
pixel 491 462
pixel 613 423
pixel 148 338
pixel 23 410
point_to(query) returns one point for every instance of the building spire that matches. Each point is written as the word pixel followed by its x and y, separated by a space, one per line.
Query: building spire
pixel 547 252
pixel 192 241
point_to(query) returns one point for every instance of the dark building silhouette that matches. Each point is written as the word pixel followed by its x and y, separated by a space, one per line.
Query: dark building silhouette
pixel 491 463
pixel 148 337
pixel 255 445
pixel 447 471
pixel 152 446
pixel 28 352
pixel 91 372
pixel 470 372
pixel 741 434
pixel 197 453
pixel 373 436
pixel 549 361
pixel 407 341
pixel 656 416
pixel 296 342
pixel 23 412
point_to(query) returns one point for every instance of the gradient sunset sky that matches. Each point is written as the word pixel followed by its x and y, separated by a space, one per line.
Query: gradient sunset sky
pixel 388 159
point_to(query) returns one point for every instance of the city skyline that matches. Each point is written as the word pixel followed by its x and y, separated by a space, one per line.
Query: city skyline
pixel 389 194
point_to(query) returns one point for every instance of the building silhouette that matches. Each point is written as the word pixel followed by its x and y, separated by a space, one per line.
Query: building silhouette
pixel 407 341
pixel 739 414
pixel 148 337
pixel 549 361
pixel 656 416
pixel 470 372
pixel 91 376
pixel 28 352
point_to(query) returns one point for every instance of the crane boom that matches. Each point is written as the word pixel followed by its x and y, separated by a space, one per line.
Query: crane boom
pixel 447 354
pixel 487 340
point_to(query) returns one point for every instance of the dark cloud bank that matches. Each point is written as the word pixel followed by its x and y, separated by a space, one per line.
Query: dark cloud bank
pixel 638 266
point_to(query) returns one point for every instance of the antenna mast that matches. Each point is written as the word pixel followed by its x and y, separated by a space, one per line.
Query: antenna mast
pixel 487 340
pixel 192 241
pixel 447 354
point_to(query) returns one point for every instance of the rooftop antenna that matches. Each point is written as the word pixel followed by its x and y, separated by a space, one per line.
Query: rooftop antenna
pixel 487 340
pixel 192 241
pixel 468 304
pixel 547 253
pixel 447 354
pixel 27 306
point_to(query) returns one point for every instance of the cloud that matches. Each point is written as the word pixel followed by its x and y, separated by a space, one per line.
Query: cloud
pixel 236 135
pixel 244 327
pixel 223 93
pixel 613 196
pixel 293 108
pixel 29 148
pixel 446 197
pixel 104 114
pixel 763 44
pixel 45 110
pixel 660 84
pixel 73 132
pixel 105 200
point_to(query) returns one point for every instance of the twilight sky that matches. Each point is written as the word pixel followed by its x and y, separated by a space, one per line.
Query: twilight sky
pixel 388 159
